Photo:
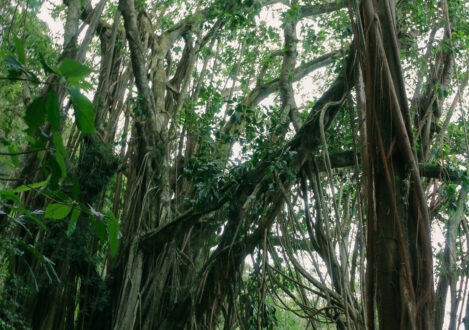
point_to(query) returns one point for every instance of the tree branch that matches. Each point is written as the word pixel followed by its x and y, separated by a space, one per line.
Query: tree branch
pixel 344 159
pixel 323 8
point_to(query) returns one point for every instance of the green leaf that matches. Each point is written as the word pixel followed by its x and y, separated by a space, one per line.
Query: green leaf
pixel 35 252
pixel 35 114
pixel 61 162
pixel 84 113
pixel 113 232
pixel 101 230
pixel 73 69
pixel 53 110
pixel 58 143
pixel 79 83
pixel 32 77
pixel 13 74
pixel 15 69
pixel 57 211
pixel 14 64
pixel 8 194
pixel 30 186
pixel 31 216
pixel 73 221
pixel 75 188
pixel 55 172
pixel 19 46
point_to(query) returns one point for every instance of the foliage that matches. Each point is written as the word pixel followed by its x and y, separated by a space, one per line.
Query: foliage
pixel 138 181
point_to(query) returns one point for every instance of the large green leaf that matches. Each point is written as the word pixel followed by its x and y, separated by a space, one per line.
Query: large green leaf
pixel 75 188
pixel 57 211
pixel 61 162
pixel 30 186
pixel 55 172
pixel 16 68
pixel 13 63
pixel 73 69
pixel 35 113
pixel 19 46
pixel 113 232
pixel 73 221
pixel 58 143
pixel 84 113
pixel 100 229
pixel 53 110
pixel 8 194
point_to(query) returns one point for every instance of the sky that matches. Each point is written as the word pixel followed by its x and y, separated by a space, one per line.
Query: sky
pixel 55 26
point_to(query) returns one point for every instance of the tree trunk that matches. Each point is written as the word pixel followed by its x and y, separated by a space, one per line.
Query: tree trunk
pixel 399 257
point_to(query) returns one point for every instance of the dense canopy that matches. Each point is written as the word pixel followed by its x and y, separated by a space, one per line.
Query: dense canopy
pixel 235 164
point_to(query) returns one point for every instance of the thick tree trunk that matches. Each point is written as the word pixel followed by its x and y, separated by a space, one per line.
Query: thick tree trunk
pixel 399 257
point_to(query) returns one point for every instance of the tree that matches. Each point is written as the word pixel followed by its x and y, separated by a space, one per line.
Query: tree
pixel 198 152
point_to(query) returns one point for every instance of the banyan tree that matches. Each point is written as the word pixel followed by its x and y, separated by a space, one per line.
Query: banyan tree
pixel 234 164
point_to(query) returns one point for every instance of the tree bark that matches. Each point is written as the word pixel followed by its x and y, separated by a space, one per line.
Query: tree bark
pixel 399 256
